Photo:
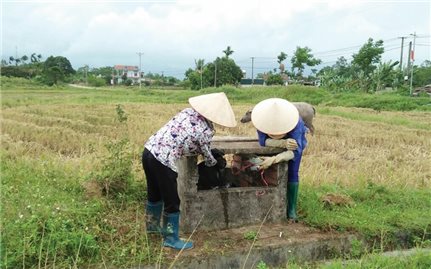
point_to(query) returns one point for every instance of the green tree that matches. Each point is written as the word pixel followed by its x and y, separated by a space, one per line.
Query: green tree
pixel 61 62
pixel 342 67
pixel 365 62
pixel 422 74
pixel 369 55
pixel 16 60
pixel 105 72
pixel 194 78
pixel 301 58
pixel 280 59
pixel 385 76
pixel 14 71
pixel 53 75
pixel 33 58
pixel 24 58
pixel 228 51
pixel 199 68
pixel 56 69
pixel 227 72
pixel 274 79
pixel 199 64
pixel 96 81
pixel 21 68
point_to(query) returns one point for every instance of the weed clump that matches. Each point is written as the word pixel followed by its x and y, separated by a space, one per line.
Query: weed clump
pixel 250 235
pixel 115 176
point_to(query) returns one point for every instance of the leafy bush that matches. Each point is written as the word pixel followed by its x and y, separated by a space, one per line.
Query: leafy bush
pixel 262 265
pixel 128 82
pixel 274 79
pixel 250 235
pixel 96 82
pixel 116 174
pixel 15 71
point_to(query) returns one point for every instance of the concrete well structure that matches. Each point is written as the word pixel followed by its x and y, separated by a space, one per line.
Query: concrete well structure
pixel 230 207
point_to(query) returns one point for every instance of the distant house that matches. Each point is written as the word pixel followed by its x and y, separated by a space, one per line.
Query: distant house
pixel 248 82
pixel 126 72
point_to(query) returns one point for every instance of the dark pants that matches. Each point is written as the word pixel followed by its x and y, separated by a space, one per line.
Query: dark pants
pixel 293 169
pixel 161 183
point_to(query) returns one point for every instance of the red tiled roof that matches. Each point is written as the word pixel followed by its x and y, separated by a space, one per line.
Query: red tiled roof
pixel 126 67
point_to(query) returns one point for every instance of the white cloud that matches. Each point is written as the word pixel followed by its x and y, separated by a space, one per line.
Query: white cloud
pixel 173 34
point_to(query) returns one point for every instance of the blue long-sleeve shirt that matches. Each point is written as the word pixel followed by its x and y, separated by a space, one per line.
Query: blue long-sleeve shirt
pixel 297 133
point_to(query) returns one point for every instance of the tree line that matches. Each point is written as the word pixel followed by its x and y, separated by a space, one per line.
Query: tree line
pixel 53 70
pixel 365 72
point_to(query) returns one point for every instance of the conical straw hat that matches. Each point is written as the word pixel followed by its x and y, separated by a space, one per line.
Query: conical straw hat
pixel 275 116
pixel 215 107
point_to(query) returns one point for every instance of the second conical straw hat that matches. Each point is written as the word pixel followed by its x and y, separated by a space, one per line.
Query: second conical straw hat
pixel 275 116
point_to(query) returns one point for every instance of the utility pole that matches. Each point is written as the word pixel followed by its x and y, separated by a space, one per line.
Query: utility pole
pixel 409 58
pixel 252 70
pixel 199 64
pixel 401 57
pixel 86 74
pixel 215 75
pixel 201 77
pixel 140 72
pixel 412 55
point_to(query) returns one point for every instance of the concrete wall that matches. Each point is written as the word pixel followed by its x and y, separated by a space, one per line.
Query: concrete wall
pixel 228 207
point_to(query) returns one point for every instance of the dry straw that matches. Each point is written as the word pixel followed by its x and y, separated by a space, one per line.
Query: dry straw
pixel 389 148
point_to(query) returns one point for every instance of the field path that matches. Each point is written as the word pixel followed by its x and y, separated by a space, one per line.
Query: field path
pixel 81 86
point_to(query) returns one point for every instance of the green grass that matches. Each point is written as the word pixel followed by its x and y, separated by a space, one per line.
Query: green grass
pixel 421 259
pixel 386 217
pixel 13 90
pixel 44 213
pixel 392 120
pixel 46 216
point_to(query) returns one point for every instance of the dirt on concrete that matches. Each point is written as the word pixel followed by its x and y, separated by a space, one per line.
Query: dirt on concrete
pixel 289 238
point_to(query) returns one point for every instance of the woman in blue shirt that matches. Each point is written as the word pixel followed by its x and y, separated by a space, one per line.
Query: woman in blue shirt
pixel 278 125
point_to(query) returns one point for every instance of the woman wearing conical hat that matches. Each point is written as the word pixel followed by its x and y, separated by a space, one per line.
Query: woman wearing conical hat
pixel 278 125
pixel 188 132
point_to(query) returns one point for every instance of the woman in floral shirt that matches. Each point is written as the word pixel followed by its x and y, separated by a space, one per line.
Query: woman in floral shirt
pixel 188 132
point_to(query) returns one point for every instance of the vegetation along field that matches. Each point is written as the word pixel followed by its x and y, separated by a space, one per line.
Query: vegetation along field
pixel 73 189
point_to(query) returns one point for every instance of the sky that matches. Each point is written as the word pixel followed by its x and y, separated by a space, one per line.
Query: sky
pixel 170 35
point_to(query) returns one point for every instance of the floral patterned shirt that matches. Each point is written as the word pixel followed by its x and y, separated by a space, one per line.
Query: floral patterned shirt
pixel 186 133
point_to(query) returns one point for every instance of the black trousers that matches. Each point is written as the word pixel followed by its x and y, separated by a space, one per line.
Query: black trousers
pixel 161 183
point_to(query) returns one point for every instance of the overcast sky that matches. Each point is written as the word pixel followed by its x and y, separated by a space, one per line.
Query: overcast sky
pixel 172 34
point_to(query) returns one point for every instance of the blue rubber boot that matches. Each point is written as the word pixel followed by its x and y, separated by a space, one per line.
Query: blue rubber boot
pixel 171 232
pixel 154 213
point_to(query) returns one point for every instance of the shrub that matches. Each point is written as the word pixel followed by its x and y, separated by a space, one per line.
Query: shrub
pixel 128 82
pixel 115 177
pixel 116 174
pixel 96 82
